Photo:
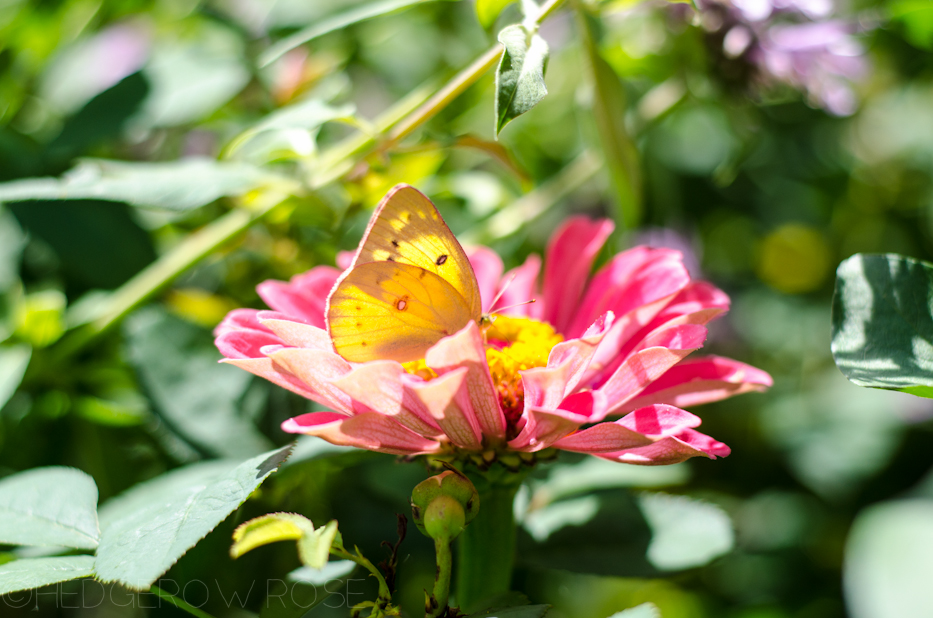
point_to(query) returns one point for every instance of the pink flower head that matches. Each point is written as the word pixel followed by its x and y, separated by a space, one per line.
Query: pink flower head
pixel 595 366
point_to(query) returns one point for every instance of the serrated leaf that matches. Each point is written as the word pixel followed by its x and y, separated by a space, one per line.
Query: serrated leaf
pixel 487 11
pixel 13 362
pixel 888 560
pixel 176 185
pixel 148 528
pixel 49 507
pixel 520 76
pixel 645 610
pixel 686 533
pixel 37 572
pixel 882 323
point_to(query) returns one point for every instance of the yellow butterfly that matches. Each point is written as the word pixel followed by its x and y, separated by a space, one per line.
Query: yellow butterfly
pixel 410 284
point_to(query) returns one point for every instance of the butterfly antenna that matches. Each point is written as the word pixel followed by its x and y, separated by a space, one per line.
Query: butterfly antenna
pixel 527 302
pixel 501 292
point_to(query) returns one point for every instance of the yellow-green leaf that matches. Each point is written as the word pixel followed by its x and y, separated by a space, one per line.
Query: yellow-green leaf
pixel 270 528
pixel 487 11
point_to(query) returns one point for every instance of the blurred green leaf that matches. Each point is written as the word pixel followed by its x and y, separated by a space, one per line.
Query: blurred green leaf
pixel 526 611
pixel 487 11
pixel 199 397
pixel 520 76
pixel 145 530
pixel 542 522
pixel 609 105
pixel 50 506
pixel 13 363
pixel 41 317
pixel 177 185
pixel 917 17
pixel 37 572
pixel 882 322
pixel 298 124
pixel 123 409
pixel 888 559
pixel 645 610
pixel 12 241
pixel 686 533
pixel 591 473
pixel 336 22
pixel 305 589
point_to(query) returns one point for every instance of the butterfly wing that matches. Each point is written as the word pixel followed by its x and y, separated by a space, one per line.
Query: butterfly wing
pixel 407 229
pixel 389 310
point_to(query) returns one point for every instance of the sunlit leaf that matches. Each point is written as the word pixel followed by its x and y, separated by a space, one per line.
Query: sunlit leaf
pixel 177 185
pixel 889 556
pixel 487 11
pixel 313 545
pixel 520 76
pixel 542 522
pixel 917 18
pixel 13 362
pixel 145 530
pixel 882 322
pixel 50 506
pixel 303 118
pixel 37 572
pixel 645 610
pixel 686 533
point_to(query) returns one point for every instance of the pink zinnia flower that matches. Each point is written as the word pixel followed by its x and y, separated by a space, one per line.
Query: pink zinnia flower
pixel 544 375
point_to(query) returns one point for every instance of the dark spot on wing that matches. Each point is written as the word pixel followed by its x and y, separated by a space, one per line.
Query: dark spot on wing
pixel 363 343
pixel 395 243
pixel 359 308
pixel 440 259
pixel 422 274
pixel 402 303
pixel 359 324
pixel 390 258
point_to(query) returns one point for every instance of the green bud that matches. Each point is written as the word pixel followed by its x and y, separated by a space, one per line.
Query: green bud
pixel 448 500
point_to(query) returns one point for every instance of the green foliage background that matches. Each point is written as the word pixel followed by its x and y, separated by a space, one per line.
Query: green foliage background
pixel 678 143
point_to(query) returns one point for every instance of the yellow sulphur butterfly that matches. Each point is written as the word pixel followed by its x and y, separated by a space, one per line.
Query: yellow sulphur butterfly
pixel 410 284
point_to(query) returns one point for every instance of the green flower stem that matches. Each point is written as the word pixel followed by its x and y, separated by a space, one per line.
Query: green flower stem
pixel 179 603
pixel 384 595
pixel 442 579
pixel 486 553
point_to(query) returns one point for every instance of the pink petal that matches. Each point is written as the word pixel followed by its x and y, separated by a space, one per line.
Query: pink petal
pixel 570 256
pixel 568 362
pixel 521 285
pixel 671 450
pixel 244 343
pixel 379 385
pixel 631 280
pixel 487 266
pixel 303 297
pixel 701 380
pixel 239 319
pixel 447 400
pixel 345 259
pixel 466 349
pixel 316 369
pixel 641 369
pixel 545 427
pixel 368 430
pixel 265 368
pixel 640 428
pixel 298 335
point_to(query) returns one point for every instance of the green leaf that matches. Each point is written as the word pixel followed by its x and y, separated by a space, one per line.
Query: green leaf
pixel 882 324
pixel 544 521
pixel 609 105
pixel 337 22
pixel 13 362
pixel 176 185
pixel 686 533
pixel 199 397
pixel 305 589
pixel 148 528
pixel 12 242
pixel 487 11
pixel 917 18
pixel 49 507
pixel 888 561
pixel 37 572
pixel 520 76
pixel 645 610
pixel 525 611
pixel 299 122
pixel 313 545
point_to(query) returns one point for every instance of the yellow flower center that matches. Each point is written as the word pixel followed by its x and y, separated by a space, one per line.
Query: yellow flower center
pixel 512 345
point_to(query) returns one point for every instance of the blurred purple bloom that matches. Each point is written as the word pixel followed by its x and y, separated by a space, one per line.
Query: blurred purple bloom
pixel 793 42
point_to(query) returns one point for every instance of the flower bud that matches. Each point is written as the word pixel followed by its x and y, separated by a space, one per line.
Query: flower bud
pixel 444 504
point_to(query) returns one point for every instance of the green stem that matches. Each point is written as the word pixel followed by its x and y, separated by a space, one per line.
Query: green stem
pixel 486 553
pixel 442 579
pixel 179 603
pixel 385 595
